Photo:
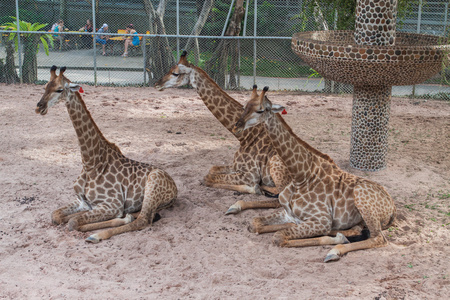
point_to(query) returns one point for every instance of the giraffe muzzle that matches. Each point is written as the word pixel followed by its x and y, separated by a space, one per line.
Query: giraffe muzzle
pixel 237 130
pixel 41 108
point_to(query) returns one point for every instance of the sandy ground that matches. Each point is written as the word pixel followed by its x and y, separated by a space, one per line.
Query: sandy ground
pixel 195 251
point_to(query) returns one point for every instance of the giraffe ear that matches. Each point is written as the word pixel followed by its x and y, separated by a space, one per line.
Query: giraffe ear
pixel 276 108
pixel 74 87
pixel 53 72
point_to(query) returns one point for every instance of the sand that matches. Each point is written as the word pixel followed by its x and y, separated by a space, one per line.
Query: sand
pixel 195 251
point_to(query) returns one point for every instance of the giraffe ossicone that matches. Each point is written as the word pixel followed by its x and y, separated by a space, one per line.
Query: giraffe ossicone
pixel 112 189
pixel 322 204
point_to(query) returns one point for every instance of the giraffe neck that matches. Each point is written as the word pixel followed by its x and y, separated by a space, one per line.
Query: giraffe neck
pixel 222 106
pixel 93 145
pixel 299 157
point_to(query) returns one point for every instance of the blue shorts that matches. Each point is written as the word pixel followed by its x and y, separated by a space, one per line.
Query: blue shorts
pixel 135 43
pixel 103 42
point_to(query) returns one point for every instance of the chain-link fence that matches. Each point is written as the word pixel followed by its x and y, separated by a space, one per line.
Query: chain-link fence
pixel 237 47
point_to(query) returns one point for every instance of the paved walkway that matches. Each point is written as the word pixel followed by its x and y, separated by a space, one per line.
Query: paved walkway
pixel 85 59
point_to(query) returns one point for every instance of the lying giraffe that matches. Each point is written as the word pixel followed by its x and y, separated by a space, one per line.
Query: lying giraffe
pixel 110 184
pixel 256 167
pixel 322 200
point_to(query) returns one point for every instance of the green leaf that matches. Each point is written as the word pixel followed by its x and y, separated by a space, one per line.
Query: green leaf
pixel 37 26
pixel 45 44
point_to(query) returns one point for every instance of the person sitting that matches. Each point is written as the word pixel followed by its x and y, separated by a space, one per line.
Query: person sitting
pixel 59 27
pixel 103 39
pixel 86 40
pixel 131 40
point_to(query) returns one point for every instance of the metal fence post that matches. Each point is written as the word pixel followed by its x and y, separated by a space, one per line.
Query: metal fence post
pixel 419 20
pixel 419 16
pixel 144 56
pixel 254 41
pixel 445 15
pixel 244 32
pixel 19 44
pixel 228 17
pixel 178 30
pixel 94 44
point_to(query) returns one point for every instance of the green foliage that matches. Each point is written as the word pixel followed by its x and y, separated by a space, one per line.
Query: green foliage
pixel 345 11
pixel 28 10
pixel 217 17
pixel 26 26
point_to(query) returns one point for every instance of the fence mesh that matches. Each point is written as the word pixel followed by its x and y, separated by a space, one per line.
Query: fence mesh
pixel 264 43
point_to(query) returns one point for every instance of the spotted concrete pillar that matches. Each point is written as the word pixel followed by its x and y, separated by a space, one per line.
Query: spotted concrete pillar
pixel 375 22
pixel 370 119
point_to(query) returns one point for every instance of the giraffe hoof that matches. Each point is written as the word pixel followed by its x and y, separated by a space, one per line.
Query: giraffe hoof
pixel 129 218
pixel 56 219
pixel 94 239
pixel 332 257
pixel 252 229
pixel 258 190
pixel 73 224
pixel 342 239
pixel 234 209
pixel 279 239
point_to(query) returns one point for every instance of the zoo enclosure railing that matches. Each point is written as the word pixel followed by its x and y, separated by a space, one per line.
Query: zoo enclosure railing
pixel 264 44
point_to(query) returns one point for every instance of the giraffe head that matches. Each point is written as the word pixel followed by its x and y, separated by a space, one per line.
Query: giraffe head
pixel 257 110
pixel 178 75
pixel 57 89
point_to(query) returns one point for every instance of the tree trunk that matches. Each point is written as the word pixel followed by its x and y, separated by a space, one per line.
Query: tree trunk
pixel 207 5
pixel 319 18
pixel 29 67
pixel 217 66
pixel 158 51
pixel 9 68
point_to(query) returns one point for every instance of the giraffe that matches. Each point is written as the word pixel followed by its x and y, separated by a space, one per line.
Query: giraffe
pixel 322 204
pixel 256 167
pixel 110 185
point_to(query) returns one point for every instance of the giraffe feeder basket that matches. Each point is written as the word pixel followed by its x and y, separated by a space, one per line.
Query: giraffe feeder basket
pixel 373 58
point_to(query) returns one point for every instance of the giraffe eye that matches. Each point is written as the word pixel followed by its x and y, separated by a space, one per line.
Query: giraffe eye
pixel 175 74
pixel 59 91
pixel 260 111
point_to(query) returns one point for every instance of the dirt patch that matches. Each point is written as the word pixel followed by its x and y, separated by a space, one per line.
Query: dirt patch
pixel 195 251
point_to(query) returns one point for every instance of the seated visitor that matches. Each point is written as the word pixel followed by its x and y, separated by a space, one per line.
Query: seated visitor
pixel 59 27
pixel 131 40
pixel 86 40
pixel 103 39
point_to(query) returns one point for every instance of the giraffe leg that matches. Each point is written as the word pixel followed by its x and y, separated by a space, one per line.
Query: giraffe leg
pixel 279 173
pixel 315 227
pixel 160 193
pixel 114 222
pixel 355 230
pixel 270 191
pixel 377 209
pixel 236 182
pixel 339 250
pixel 271 223
pixel 60 215
pixel 100 213
pixel 67 218
pixel 318 241
pixel 109 223
pixel 243 205
pixel 221 170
